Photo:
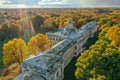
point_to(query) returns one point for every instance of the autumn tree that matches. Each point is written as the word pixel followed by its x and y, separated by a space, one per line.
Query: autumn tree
pixel 100 62
pixel 39 42
pixel 15 51
pixel 81 22
pixel 103 33
pixel 113 34
pixel 63 20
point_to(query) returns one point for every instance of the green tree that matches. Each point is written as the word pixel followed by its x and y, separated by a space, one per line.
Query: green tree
pixel 8 31
pixel 37 21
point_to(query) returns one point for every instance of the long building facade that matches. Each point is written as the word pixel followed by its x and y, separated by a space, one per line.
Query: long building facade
pixel 66 43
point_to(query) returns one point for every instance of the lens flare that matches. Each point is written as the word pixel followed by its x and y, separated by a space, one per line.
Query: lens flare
pixel 26 23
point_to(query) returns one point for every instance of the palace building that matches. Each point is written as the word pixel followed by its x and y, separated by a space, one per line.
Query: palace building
pixel 79 36
pixel 66 43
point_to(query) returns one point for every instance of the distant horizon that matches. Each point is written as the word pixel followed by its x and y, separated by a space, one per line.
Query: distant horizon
pixel 59 3
pixel 56 8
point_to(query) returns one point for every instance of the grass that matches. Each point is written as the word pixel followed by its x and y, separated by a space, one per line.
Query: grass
pixel 70 68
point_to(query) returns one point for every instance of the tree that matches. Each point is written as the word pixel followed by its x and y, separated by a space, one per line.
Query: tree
pixel 103 33
pixel 37 22
pixel 39 42
pixel 8 31
pixel 103 21
pixel 100 62
pixel 113 34
pixel 15 51
pixel 81 22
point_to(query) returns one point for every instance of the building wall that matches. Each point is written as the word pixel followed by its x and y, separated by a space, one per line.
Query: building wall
pixel 93 31
pixel 68 55
pixel 58 74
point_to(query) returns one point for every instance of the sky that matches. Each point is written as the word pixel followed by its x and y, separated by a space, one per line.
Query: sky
pixel 58 3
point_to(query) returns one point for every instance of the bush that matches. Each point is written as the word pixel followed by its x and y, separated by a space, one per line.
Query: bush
pixel 10 69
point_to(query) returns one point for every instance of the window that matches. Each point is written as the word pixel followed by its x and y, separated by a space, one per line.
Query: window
pixel 57 74
pixel 75 54
pixel 75 47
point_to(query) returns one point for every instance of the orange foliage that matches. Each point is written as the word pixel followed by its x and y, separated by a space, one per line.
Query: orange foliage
pixel 39 42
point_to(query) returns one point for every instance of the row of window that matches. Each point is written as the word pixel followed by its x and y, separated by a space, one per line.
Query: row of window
pixel 55 38
pixel 53 43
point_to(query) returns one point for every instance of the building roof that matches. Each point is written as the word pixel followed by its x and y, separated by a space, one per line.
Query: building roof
pixel 42 62
pixel 65 34
pixel 69 21
pixel 89 26
pixel 49 60
pixel 61 46
pixel 20 76
pixel 75 34
pixel 29 75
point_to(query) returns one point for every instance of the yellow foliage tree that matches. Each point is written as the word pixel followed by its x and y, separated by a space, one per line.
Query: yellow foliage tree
pixel 113 34
pixel 15 51
pixel 81 21
pixel 39 42
pixel 63 21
